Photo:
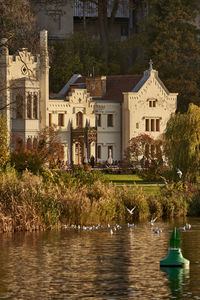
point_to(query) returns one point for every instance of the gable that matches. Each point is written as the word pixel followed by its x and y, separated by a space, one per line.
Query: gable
pixel 150 85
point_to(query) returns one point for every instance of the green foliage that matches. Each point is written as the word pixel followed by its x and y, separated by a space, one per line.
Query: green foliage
pixel 81 54
pixel 26 160
pixel 59 177
pixel 83 177
pixel 171 37
pixel 154 172
pixel 171 41
pixel 182 145
pixel 4 152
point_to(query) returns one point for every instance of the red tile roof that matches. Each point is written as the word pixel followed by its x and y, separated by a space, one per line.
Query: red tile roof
pixel 117 84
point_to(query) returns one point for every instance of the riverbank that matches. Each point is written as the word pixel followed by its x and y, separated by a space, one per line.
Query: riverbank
pixel 39 202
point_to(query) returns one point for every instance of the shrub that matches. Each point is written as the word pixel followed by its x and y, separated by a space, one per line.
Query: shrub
pixel 26 160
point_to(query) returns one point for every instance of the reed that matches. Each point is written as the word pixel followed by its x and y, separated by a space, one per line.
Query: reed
pixel 32 202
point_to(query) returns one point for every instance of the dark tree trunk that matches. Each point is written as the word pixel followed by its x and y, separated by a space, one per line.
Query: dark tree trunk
pixel 103 24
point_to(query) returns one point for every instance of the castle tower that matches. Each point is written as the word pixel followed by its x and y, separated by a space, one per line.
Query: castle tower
pixel 44 78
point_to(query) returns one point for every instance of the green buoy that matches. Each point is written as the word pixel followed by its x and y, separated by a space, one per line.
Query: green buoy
pixel 175 257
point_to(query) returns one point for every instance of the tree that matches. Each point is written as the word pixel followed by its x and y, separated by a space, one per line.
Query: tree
pixel 143 145
pixel 17 24
pixel 49 148
pixel 4 150
pixel 182 142
pixel 46 150
pixel 171 41
pixel 83 55
pixel 106 11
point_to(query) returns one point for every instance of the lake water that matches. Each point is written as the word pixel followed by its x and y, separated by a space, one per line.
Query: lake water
pixel 77 264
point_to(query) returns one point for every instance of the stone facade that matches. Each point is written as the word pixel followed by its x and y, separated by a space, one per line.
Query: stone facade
pixel 94 116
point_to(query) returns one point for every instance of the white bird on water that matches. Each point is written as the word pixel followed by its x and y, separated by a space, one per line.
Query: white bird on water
pixel 131 225
pixel 188 226
pixel 182 228
pixel 131 210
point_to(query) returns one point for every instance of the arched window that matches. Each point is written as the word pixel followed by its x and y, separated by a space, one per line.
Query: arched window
pixel 29 144
pixel 19 107
pixel 35 107
pixel 79 119
pixel 19 144
pixel 35 144
pixel 29 107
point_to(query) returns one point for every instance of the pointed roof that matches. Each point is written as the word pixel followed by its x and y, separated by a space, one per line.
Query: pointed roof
pixel 112 87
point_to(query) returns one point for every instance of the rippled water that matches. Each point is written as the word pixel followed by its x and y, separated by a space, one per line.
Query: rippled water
pixel 73 264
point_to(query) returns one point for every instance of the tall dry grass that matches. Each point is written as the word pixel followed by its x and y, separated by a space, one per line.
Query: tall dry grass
pixel 28 203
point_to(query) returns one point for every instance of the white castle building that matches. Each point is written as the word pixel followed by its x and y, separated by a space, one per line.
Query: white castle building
pixel 94 115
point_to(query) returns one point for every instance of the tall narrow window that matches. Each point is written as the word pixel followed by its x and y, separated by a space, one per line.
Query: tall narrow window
pixel 98 120
pixel 110 120
pixel 29 107
pixel 35 107
pixel 157 124
pixel 152 103
pixel 152 125
pixel 110 151
pixel 147 124
pixel 60 119
pixel 35 143
pixel 29 145
pixel 19 107
pixel 19 144
pixel 79 119
pixel 50 119
pixel 98 151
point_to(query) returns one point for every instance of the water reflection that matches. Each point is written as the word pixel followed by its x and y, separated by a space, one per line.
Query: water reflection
pixel 76 265
pixel 177 278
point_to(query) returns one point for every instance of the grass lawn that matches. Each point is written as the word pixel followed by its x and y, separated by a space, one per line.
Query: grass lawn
pixel 148 187
pixel 123 179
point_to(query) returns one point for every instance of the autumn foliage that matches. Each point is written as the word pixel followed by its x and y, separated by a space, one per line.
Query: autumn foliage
pixel 143 145
pixel 47 150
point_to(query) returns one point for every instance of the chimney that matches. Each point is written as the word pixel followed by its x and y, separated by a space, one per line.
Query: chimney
pixel 96 86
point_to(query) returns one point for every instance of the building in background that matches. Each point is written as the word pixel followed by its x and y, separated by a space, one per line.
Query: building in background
pixel 55 16
pixel 94 115
pixel 64 17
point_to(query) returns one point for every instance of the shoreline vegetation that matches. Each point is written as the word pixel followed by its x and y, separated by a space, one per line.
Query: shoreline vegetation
pixel 57 198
